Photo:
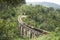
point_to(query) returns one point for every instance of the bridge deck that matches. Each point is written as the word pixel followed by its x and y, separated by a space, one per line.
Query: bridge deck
pixel 29 31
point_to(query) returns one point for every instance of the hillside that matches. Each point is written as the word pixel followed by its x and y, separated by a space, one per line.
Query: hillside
pixel 38 16
pixel 42 17
pixel 45 18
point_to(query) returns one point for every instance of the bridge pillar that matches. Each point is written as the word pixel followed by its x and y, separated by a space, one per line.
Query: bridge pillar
pixel 25 32
pixel 21 31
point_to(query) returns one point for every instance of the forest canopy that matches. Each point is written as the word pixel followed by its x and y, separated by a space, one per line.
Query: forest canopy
pixel 46 18
pixel 8 19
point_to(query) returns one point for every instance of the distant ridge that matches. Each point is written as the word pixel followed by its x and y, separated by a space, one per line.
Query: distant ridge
pixel 49 4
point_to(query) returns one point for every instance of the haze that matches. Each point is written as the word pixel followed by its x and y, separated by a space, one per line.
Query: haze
pixel 53 1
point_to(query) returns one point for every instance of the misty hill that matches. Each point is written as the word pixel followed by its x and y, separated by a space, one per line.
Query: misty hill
pixel 49 4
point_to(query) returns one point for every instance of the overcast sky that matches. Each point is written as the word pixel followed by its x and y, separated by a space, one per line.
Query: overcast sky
pixel 53 1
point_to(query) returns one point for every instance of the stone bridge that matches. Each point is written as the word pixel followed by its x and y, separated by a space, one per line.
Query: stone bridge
pixel 29 31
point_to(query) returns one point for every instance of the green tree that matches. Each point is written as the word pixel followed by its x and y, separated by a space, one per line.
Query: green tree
pixel 8 19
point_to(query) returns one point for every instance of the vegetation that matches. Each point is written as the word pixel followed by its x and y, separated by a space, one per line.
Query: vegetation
pixel 8 19
pixel 46 18
pixel 42 17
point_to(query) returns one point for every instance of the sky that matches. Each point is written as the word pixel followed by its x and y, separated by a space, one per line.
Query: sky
pixel 53 1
